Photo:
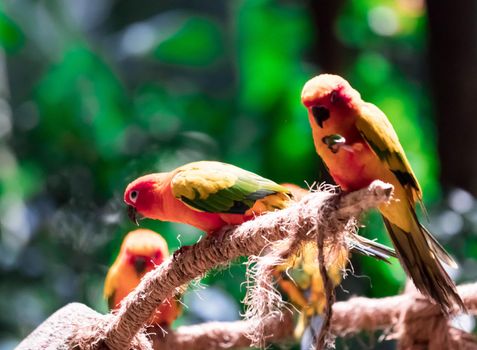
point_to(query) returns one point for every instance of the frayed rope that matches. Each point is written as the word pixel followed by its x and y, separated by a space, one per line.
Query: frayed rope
pixel 312 218
pixel 249 239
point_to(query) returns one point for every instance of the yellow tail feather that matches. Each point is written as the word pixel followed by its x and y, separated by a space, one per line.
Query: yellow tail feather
pixel 420 260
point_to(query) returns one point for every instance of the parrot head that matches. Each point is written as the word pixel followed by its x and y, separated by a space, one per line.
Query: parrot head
pixel 328 98
pixel 144 196
pixel 143 250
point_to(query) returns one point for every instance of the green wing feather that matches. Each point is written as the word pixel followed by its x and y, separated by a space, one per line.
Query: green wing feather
pixel 378 132
pixel 221 188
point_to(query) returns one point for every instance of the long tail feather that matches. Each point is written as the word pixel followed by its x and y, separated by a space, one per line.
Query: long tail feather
pixel 436 247
pixel 439 250
pixel 420 260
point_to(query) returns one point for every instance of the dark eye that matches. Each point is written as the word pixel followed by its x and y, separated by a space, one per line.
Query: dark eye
pixel 140 264
pixel 321 114
pixel 334 97
pixel 133 196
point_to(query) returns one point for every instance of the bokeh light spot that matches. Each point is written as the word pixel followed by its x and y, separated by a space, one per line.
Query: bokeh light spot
pixel 383 21
pixel 461 201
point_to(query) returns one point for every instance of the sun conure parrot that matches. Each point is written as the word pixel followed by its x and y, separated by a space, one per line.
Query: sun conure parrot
pixel 300 279
pixel 141 251
pixel 359 145
pixel 206 194
pixel 209 195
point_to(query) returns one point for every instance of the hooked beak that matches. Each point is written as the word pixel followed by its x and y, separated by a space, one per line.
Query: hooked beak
pixel 320 113
pixel 132 214
pixel 334 142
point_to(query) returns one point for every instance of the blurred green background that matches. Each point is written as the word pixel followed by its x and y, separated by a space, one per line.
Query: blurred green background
pixel 96 93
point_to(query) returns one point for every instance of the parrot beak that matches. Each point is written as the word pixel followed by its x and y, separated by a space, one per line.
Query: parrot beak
pixel 132 214
pixel 320 113
pixel 334 142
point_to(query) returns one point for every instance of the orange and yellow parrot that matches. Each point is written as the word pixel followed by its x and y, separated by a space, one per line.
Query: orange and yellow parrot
pixel 359 145
pixel 300 279
pixel 209 195
pixel 141 251
pixel 206 194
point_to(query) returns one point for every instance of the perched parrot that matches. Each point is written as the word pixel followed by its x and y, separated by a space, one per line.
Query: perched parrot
pixel 209 195
pixel 358 145
pixel 140 252
pixel 206 194
pixel 300 279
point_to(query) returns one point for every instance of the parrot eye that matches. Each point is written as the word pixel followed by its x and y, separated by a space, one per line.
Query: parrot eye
pixel 321 114
pixel 133 196
pixel 334 97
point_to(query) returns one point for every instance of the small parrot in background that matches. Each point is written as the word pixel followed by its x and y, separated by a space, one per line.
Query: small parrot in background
pixel 359 145
pixel 300 279
pixel 141 251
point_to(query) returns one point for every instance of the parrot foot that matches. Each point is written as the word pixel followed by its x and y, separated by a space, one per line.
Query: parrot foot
pixel 334 142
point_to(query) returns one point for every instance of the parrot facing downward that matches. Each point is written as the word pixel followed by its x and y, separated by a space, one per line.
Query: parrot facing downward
pixel 206 194
pixel 300 279
pixel 359 145
pixel 141 251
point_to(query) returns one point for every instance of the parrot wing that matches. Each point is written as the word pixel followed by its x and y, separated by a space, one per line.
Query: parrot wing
pixel 378 132
pixel 375 128
pixel 221 188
